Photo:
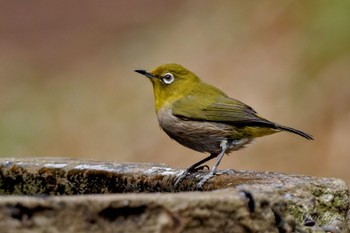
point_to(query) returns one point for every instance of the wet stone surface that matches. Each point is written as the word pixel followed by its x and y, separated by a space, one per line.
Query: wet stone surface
pixel 44 195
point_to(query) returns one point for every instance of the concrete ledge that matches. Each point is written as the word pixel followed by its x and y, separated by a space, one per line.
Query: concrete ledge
pixel 42 195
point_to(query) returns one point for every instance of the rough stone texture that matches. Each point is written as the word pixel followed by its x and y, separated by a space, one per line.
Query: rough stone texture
pixel 41 195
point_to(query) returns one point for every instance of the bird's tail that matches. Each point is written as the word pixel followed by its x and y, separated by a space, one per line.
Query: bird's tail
pixel 299 132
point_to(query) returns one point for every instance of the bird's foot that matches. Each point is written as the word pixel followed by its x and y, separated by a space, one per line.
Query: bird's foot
pixel 204 180
pixel 187 172
pixel 211 174
pixel 181 177
pixel 226 172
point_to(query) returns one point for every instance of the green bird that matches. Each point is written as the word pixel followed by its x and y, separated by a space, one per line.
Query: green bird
pixel 201 117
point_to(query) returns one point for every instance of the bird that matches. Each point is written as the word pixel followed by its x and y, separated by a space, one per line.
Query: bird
pixel 203 118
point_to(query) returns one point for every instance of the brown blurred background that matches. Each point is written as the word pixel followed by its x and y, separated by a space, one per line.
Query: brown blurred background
pixel 67 86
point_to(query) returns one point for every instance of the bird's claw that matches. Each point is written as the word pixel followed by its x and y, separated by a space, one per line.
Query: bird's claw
pixel 181 177
pixel 199 186
pixel 200 168
pixel 187 172
pixel 204 180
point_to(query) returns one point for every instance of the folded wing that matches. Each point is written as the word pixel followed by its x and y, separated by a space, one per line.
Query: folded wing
pixel 218 109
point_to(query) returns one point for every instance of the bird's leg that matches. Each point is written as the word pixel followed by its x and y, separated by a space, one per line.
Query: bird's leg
pixel 224 145
pixel 195 167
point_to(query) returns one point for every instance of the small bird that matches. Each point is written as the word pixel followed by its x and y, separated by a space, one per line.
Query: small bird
pixel 203 118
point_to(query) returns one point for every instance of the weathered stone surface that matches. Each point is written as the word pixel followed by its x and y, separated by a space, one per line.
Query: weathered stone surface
pixel 147 201
pixel 185 212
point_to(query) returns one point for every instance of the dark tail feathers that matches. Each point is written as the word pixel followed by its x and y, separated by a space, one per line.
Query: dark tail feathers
pixel 301 133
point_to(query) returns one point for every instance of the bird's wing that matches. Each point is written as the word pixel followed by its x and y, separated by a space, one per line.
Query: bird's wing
pixel 219 109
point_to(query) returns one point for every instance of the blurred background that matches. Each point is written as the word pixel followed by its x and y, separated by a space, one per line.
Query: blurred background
pixel 67 86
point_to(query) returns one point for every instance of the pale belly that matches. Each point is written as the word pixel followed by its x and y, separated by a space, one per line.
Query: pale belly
pixel 200 135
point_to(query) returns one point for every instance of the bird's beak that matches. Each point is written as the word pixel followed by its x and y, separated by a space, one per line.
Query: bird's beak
pixel 145 73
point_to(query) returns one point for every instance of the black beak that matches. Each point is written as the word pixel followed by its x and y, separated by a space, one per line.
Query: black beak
pixel 145 73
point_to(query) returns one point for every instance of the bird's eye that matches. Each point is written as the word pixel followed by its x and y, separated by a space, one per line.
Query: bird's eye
pixel 168 78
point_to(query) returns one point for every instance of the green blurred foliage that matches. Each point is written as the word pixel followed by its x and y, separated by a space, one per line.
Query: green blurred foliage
pixel 67 86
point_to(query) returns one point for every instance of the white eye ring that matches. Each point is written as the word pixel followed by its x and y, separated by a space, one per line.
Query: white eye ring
pixel 168 78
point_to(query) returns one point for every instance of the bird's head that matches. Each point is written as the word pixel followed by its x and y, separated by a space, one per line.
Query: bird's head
pixel 171 82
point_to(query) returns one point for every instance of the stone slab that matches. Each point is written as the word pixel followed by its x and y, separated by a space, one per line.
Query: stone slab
pixel 46 195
